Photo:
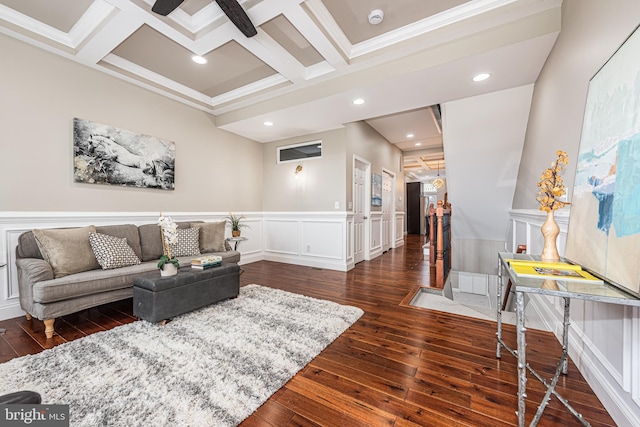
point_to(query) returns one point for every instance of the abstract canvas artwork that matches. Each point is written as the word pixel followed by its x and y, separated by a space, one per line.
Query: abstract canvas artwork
pixel 604 227
pixel 107 155
pixel 376 190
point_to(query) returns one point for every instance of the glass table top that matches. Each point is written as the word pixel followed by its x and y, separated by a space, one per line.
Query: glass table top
pixel 601 292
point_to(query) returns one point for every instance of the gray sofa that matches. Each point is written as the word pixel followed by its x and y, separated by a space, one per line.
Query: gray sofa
pixel 46 297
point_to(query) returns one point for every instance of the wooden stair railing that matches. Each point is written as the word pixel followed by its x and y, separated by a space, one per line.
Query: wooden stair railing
pixel 440 241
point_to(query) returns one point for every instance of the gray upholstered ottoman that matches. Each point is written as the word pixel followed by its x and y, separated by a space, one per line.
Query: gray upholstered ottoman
pixel 157 298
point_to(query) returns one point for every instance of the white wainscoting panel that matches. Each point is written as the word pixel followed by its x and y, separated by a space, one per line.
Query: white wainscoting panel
pixel 319 239
pixel 400 229
pixel 375 235
pixel 315 239
pixel 602 337
pixel 282 236
pixel 350 235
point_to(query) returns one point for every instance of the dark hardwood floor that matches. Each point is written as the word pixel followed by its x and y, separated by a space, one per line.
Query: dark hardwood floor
pixel 396 366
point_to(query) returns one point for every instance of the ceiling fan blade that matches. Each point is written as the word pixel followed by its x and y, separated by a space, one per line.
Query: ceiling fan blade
pixel 238 16
pixel 165 7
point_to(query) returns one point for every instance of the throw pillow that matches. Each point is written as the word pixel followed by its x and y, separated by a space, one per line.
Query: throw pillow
pixel 112 252
pixel 67 249
pixel 212 236
pixel 188 243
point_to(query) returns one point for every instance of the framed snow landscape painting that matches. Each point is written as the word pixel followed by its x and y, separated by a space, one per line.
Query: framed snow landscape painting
pixel 107 155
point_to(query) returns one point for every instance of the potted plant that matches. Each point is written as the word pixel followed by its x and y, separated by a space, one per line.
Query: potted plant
pixel 168 264
pixel 234 221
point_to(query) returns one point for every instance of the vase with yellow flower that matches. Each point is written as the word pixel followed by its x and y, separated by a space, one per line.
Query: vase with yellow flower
pixel 551 189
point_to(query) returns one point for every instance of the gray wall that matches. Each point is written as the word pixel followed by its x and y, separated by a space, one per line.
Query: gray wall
pixel 318 186
pixel 591 32
pixel 365 142
pixel 602 334
pixel 329 179
pixel 41 94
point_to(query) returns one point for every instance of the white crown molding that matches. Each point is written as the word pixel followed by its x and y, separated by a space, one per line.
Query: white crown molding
pixel 248 89
pixel 98 12
pixel 154 77
pixel 448 17
pixel 322 14
pixel 35 26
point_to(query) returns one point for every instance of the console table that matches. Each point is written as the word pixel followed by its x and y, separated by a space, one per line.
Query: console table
pixel 606 293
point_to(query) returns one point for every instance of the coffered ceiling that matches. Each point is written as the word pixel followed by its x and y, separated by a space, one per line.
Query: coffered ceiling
pixel 309 60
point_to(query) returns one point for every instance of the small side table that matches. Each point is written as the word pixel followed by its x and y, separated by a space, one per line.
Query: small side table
pixel 2 265
pixel 236 240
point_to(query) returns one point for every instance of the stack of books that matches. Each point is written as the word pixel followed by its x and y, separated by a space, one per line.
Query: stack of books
pixel 552 270
pixel 207 261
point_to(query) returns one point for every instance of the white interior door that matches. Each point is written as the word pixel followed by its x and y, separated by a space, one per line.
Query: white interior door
pixel 359 209
pixel 387 209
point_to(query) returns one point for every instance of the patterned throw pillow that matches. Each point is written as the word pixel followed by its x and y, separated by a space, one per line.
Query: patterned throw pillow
pixel 112 252
pixel 188 243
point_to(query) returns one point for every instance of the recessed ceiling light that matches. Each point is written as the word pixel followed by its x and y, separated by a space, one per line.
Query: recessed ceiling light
pixel 418 144
pixel 410 135
pixel 480 77
pixel 268 123
pixel 199 59
pixel 358 101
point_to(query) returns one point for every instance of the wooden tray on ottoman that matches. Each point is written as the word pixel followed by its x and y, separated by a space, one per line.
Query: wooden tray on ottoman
pixel 157 298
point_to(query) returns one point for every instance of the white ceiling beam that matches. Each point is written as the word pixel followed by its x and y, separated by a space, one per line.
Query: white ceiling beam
pixel 304 24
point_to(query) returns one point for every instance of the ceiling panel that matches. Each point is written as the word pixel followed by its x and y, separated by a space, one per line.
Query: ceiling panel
pixel 194 6
pixel 59 15
pixel 353 16
pixel 228 67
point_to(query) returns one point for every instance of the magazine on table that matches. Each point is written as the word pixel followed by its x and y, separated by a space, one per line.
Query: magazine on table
pixel 556 271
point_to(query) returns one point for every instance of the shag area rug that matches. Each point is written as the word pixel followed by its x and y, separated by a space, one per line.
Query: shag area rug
pixel 211 367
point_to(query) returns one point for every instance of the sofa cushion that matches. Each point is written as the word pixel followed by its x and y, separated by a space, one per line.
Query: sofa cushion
pixel 67 249
pixel 89 283
pixel 124 231
pixel 27 246
pixel 151 240
pixel 112 252
pixel 211 236
pixel 187 244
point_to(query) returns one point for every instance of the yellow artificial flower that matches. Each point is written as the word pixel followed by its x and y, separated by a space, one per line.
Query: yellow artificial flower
pixel 551 185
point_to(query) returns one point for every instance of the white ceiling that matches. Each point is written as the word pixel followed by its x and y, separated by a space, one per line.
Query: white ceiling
pixel 309 60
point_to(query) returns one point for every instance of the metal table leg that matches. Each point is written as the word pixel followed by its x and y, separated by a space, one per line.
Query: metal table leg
pixel 565 336
pixel 522 358
pixel 498 310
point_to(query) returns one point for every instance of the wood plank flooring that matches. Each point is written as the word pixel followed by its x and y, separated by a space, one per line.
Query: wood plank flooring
pixel 397 366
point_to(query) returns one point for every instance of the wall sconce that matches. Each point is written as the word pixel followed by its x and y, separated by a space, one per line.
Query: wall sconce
pixel 298 170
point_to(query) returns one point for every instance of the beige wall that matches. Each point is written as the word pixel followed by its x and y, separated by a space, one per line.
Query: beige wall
pixel 365 142
pixel 318 186
pixel 591 32
pixel 328 180
pixel 41 94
